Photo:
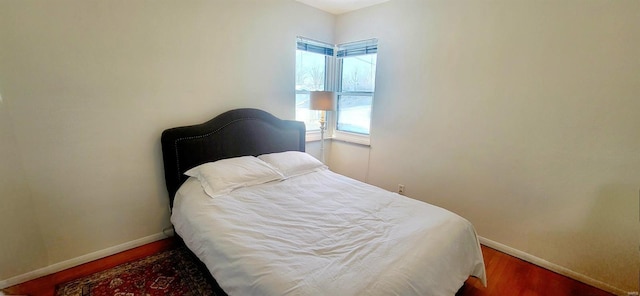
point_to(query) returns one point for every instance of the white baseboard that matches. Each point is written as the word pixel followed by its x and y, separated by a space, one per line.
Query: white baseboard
pixel 551 266
pixel 51 269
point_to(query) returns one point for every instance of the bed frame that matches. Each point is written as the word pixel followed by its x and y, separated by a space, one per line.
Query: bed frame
pixel 238 132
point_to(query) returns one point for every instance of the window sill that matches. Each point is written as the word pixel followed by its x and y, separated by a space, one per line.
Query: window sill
pixel 352 138
pixel 313 136
pixel 358 139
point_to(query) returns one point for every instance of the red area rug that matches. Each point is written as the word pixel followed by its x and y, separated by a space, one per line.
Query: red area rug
pixel 172 272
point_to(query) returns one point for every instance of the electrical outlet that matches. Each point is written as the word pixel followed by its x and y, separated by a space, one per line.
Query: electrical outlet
pixel 632 293
pixel 401 189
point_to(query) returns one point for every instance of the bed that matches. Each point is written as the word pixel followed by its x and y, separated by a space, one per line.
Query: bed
pixel 297 228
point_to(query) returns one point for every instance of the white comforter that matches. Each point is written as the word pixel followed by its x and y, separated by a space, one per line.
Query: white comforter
pixel 325 234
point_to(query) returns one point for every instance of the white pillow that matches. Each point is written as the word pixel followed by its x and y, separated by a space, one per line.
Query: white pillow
pixel 293 163
pixel 223 176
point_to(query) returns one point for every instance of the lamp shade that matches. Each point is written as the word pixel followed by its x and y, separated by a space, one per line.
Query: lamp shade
pixel 323 100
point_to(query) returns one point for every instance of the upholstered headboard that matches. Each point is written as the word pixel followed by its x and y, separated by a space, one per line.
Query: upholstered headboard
pixel 238 132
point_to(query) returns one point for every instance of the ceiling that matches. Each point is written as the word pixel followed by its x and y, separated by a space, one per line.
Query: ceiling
pixel 340 6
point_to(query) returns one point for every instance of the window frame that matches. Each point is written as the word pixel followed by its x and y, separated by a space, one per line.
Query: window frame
pixel 357 48
pixel 341 92
pixel 333 82
pixel 314 133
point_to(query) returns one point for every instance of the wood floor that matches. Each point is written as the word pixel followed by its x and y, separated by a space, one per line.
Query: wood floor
pixel 506 276
pixel 45 286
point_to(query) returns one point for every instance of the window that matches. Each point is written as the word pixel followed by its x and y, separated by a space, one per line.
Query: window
pixel 349 69
pixel 357 80
pixel 312 59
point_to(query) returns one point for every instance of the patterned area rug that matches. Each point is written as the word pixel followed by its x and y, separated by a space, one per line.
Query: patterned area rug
pixel 172 272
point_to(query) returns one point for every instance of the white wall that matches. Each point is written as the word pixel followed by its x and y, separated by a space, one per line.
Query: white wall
pixel 521 116
pixel 21 234
pixel 89 87
pixel 526 123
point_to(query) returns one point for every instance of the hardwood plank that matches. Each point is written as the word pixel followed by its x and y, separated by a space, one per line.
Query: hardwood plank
pixel 506 276
pixel 45 286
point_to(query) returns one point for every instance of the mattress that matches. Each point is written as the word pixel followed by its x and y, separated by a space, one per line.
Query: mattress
pixel 326 234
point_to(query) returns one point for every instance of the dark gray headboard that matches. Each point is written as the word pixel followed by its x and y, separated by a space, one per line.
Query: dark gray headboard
pixel 238 132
